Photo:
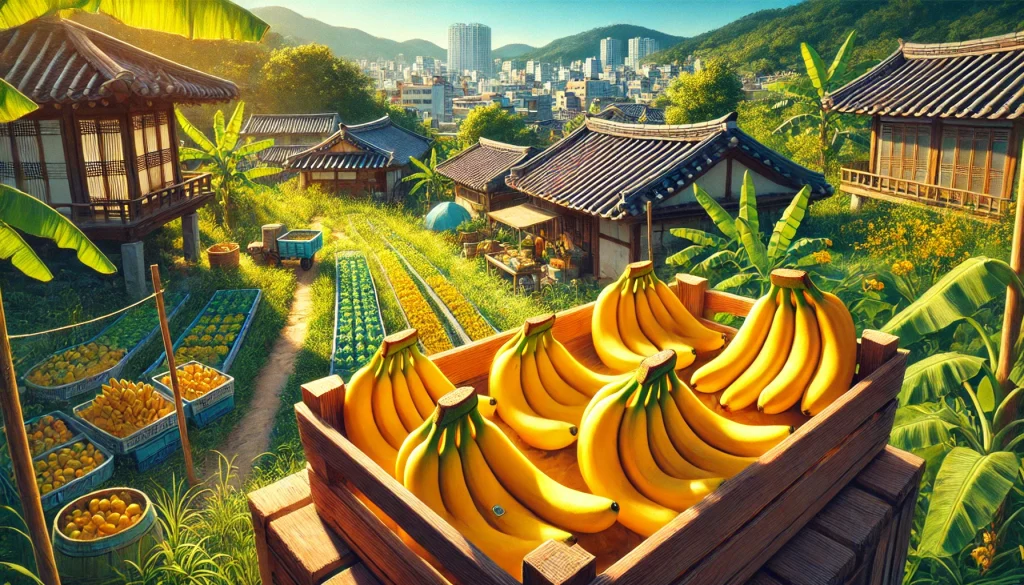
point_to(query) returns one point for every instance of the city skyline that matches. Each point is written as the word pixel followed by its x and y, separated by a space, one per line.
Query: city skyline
pixel 430 19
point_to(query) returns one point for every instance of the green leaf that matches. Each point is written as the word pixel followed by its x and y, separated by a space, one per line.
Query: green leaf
pixel 14 248
pixel 958 294
pixel 187 153
pixel 418 163
pixel 194 133
pixel 838 68
pixel 753 245
pixel 193 19
pixel 35 218
pixel 937 375
pixel 20 570
pixel 969 488
pixel 717 260
pixel 234 127
pixel 218 129
pixel 723 221
pixel 748 204
pixel 13 103
pixel 686 255
pixel 805 246
pixel 735 281
pixel 254 147
pixel 815 68
pixel 786 227
pixel 258 172
pixel 919 426
pixel 700 237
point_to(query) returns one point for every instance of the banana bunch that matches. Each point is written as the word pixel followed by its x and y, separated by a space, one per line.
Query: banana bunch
pixel 392 395
pixel 541 389
pixel 638 315
pixel 466 470
pixel 798 344
pixel 650 444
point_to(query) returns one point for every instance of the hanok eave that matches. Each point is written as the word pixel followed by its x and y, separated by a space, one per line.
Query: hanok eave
pixel 479 175
pixel 600 178
pixel 361 159
pixel 291 133
pixel 946 125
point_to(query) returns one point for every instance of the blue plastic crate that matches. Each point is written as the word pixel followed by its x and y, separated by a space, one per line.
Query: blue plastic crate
pixel 70 490
pixel 206 417
pixel 156 451
pixel 214 400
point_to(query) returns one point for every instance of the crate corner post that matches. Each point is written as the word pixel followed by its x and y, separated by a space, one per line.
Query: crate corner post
pixel 556 563
pixel 326 398
pixel 691 290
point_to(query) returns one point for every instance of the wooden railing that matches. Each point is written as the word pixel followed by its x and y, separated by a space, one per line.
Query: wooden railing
pixel 861 182
pixel 130 210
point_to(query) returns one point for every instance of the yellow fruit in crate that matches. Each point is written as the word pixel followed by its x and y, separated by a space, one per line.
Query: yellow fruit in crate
pixel 46 433
pixel 195 380
pixel 87 521
pixel 124 407
pixel 65 465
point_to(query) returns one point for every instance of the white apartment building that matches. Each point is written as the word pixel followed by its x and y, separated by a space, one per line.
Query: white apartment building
pixel 469 48
pixel 640 47
pixel 430 100
pixel 592 68
pixel 611 52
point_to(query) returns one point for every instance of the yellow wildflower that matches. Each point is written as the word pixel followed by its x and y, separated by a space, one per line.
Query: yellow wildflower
pixel 902 267
pixel 822 256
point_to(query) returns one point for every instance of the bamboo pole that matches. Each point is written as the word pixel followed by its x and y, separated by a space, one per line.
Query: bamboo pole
pixel 21 461
pixel 650 232
pixel 165 332
pixel 1012 314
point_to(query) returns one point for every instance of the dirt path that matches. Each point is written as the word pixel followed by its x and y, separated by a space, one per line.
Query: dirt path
pixel 251 436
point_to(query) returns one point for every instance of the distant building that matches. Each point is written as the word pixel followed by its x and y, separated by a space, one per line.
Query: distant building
pixel 628 113
pixel 292 133
pixel 479 175
pixel 543 72
pixel 640 47
pixel 587 90
pixel 611 52
pixel 430 100
pixel 469 48
pixel 534 108
pixel 592 68
pixel 567 101
pixel 462 106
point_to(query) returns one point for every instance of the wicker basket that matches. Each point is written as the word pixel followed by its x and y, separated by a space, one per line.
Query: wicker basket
pixel 223 255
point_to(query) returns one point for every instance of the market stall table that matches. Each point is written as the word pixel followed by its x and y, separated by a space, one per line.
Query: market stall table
pixel 533 272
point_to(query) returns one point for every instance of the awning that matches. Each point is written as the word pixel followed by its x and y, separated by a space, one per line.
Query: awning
pixel 522 216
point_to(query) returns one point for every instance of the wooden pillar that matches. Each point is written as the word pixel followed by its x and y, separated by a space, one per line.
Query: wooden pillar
pixel 1012 314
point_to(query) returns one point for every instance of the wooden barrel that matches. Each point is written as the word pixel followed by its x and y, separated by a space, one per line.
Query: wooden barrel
pixel 95 561
pixel 223 255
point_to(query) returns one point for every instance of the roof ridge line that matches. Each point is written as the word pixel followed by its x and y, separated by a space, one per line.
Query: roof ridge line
pixel 502 145
pixel 993 44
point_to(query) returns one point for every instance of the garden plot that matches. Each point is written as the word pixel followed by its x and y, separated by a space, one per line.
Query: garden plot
pixel 359 327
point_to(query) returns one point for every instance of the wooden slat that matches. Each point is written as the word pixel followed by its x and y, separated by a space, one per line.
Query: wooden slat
pixel 722 302
pixel 876 348
pixel 326 398
pixel 697 532
pixel 897 553
pixel 341 460
pixel 357 574
pixel 892 476
pixel 854 519
pixel 307 546
pixel 812 559
pixel 273 501
pixel 281 575
pixel 556 563
pixel 692 290
pixel 763 578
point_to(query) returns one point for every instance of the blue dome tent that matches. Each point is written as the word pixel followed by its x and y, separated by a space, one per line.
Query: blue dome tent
pixel 446 216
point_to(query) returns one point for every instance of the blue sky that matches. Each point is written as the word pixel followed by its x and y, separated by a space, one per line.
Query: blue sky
pixel 534 22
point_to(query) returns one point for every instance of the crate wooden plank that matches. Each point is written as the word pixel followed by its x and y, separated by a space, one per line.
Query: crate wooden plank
pixel 893 475
pixel 739 557
pixel 273 501
pixel 556 563
pixel 812 558
pixel 280 574
pixel 722 302
pixel 854 519
pixel 326 398
pixel 307 546
pixel 896 556
pixel 357 574
pixel 763 578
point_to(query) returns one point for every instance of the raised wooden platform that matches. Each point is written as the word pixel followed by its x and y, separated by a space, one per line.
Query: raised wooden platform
pixel 859 538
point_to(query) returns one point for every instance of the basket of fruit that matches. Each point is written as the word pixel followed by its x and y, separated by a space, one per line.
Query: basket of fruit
pixel 132 419
pixel 206 393
pixel 97 532
pixel 66 472
pixel 81 368
pixel 45 432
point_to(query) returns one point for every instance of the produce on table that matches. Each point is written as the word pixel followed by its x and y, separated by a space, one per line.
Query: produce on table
pixel 392 395
pixel 541 389
pixel 360 330
pixel 195 380
pixel 99 518
pixel 638 315
pixel 467 471
pixel 650 444
pixel 123 407
pixel 66 465
pixel 798 344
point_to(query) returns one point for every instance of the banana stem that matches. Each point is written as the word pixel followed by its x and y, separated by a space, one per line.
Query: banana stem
pixel 814 291
pixel 997 439
pixel 993 358
pixel 986 432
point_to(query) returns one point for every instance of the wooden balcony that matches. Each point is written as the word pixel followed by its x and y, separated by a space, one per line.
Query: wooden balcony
pixel 862 183
pixel 131 219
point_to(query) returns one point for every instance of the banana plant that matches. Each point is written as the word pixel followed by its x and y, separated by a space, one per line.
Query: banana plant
pixel 739 248
pixel 432 182
pixel 230 164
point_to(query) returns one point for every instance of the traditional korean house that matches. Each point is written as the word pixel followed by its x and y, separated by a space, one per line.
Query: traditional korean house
pixel 479 175
pixel 600 178
pixel 292 133
pixel 368 158
pixel 633 114
pixel 102 147
pixel 945 125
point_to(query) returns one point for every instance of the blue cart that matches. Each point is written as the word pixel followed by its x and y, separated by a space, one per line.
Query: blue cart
pixel 301 245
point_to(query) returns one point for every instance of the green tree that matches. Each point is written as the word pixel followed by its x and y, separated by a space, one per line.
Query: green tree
pixel 229 162
pixel 434 184
pixel 496 123
pixel 710 93
pixel 595 107
pixel 573 124
pixel 309 79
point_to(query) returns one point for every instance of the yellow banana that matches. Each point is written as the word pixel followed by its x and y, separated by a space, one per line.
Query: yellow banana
pixel 601 465
pixel 420 396
pixel 605 331
pixel 629 327
pixel 657 334
pixel 504 549
pixel 694 449
pixel 539 400
pixel 742 350
pixel 498 506
pixel 488 405
pixel 360 427
pixel 563 507
pixel 433 379
pixel 838 352
pixel 723 433
pixel 411 442
pixel 664 452
pixel 693 332
pixel 505 385
pixel 560 390
pixel 404 404
pixel 385 413
pixel 572 371
pixel 643 471
pixel 769 361
pixel 609 389
pixel 422 473
pixel 787 388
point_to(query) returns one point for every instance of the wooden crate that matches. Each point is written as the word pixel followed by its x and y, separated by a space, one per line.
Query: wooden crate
pixel 724 539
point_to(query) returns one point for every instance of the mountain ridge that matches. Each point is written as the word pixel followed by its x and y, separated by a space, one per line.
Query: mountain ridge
pixel 588 43
pixel 511 51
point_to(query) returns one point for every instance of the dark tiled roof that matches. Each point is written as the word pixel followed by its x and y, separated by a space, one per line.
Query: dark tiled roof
pixel 267 124
pixel 611 169
pixel 379 137
pixel 341 161
pixel 484 165
pixel 278 154
pixel 982 78
pixel 633 114
pixel 53 60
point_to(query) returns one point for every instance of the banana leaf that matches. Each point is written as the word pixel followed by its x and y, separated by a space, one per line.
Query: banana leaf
pixel 13 103
pixel 937 375
pixel 700 237
pixel 194 133
pixel 31 216
pixel 14 248
pixel 723 221
pixel 229 140
pixel 254 147
pixel 753 245
pixel 815 68
pixel 686 255
pixel 919 426
pixel 748 204
pixel 972 284
pixel 717 260
pixel 218 129
pixel 969 488
pixel 735 281
pixel 788 224
pixel 187 153
pixel 260 172
pixel 838 68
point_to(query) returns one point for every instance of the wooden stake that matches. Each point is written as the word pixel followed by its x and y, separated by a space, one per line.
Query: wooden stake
pixel 1012 314
pixel 650 232
pixel 21 461
pixel 165 332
